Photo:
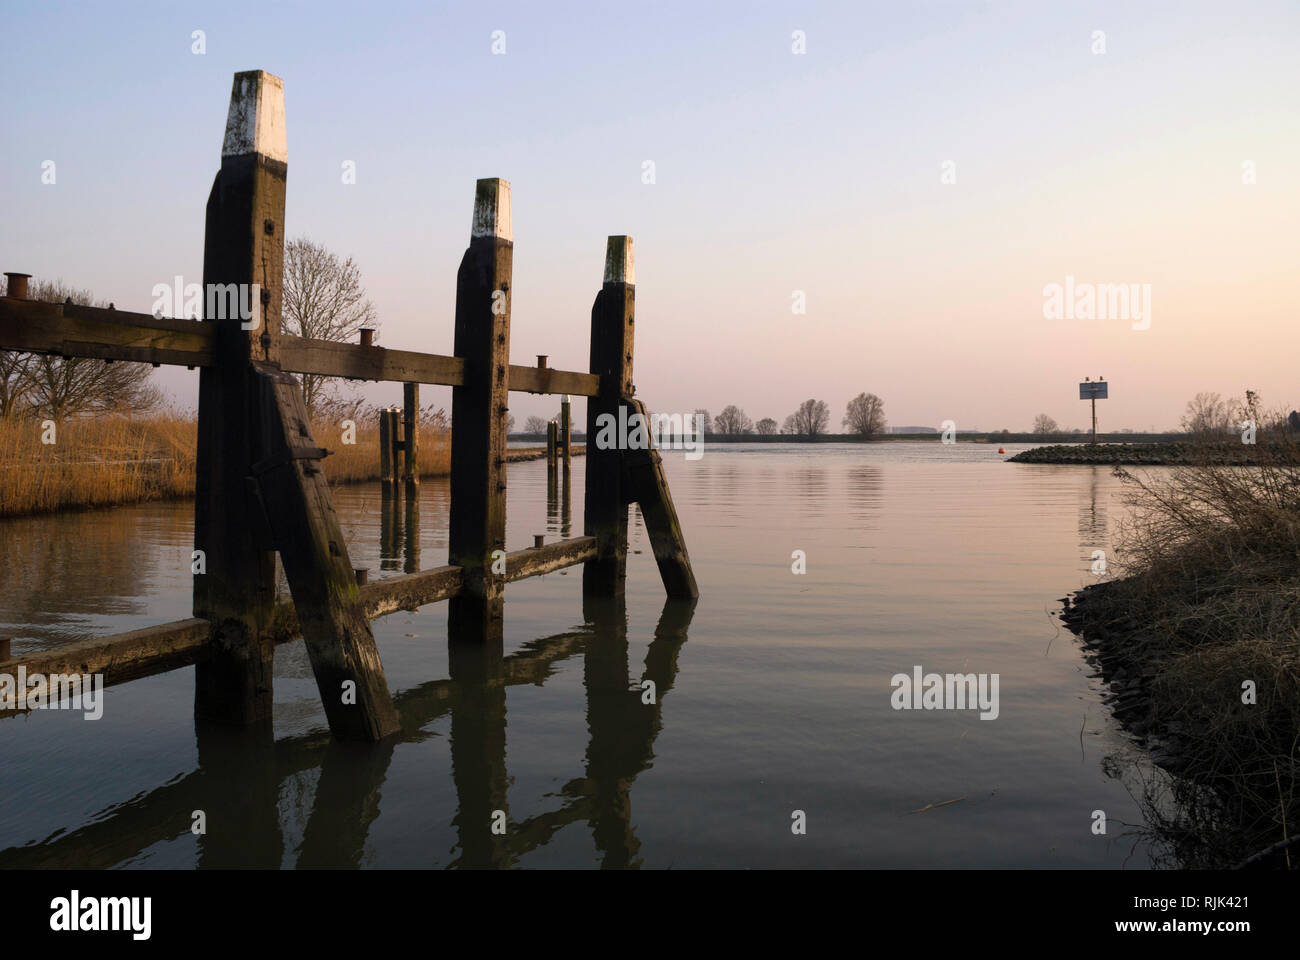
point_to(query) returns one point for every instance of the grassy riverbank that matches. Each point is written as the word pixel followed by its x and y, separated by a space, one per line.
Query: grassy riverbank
pixel 1199 641
pixel 107 461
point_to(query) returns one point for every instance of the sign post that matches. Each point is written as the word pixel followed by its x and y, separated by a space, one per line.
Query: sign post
pixel 1093 390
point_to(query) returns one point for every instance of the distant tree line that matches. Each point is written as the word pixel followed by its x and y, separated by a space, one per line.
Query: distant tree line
pixel 864 416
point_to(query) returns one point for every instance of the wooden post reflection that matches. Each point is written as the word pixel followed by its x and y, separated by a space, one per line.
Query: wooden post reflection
pixel 242 773
pixel 412 533
pixel 346 803
pixel 621 724
pixel 240 799
pixel 390 530
pixel 566 503
pixel 552 498
pixel 478 747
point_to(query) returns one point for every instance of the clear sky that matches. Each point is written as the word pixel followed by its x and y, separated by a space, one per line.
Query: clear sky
pixel 775 172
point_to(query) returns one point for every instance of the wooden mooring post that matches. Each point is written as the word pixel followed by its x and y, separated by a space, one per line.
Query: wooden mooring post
pixel 479 414
pixel 410 436
pixel 261 487
pixel 566 431
pixel 243 251
pixel 612 316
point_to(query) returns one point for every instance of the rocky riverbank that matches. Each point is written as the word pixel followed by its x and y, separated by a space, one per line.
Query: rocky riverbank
pixel 1174 454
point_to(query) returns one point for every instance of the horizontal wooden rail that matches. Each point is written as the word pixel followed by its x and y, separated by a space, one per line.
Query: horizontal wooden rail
pixel 103 334
pixel 331 359
pixel 535 561
pixel 545 380
pixel 142 653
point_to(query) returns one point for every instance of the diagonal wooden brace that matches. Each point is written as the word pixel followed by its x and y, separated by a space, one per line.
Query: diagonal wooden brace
pixel 646 484
pixel 306 531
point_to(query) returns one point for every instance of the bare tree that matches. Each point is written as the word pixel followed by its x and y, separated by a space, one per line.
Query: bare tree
pixel 708 420
pixel 1207 414
pixel 62 387
pixel 811 419
pixel 732 420
pixel 323 300
pixel 1045 426
pixel 865 415
pixel 535 425
pixel 15 381
pixel 765 427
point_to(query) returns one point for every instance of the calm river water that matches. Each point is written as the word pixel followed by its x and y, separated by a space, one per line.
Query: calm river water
pixel 773 691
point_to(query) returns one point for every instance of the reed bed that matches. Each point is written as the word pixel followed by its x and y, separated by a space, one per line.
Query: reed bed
pixel 111 460
pixel 1200 642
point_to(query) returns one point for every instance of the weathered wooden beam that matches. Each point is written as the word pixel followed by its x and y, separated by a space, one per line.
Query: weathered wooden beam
pixel 244 246
pixel 479 415
pixel 100 333
pixel 331 615
pixel 413 590
pixel 546 380
pixel 649 487
pixel 357 362
pixel 35 326
pixel 612 317
pixel 122 657
pixel 535 561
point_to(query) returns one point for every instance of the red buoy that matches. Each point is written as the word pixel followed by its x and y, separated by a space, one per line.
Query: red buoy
pixel 1002 449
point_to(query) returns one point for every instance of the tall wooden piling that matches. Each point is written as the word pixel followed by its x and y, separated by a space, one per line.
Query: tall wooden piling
pixel 479 415
pixel 566 430
pixel 552 444
pixel 385 451
pixel 612 316
pixel 410 435
pixel 243 247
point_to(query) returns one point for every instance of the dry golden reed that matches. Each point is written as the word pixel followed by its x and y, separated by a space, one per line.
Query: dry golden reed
pixel 109 460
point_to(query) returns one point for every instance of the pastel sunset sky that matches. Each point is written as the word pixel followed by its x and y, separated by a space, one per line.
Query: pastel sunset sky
pixel 775 172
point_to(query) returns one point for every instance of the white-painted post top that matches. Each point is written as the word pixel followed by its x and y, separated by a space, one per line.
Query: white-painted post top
pixel 618 261
pixel 492 210
pixel 255 123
